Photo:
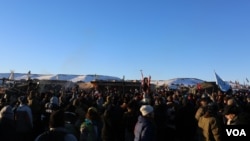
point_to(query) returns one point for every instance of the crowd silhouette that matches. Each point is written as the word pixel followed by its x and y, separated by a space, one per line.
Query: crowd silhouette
pixel 112 115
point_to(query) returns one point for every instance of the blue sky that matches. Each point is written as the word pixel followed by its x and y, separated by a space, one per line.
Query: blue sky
pixel 164 38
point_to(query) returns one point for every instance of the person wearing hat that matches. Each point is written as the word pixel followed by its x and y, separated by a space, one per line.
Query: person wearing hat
pixel 209 124
pixel 145 127
pixel 200 111
pixel 231 114
pixel 90 129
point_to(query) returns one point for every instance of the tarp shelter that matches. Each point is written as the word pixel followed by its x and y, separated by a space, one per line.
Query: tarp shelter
pixel 207 87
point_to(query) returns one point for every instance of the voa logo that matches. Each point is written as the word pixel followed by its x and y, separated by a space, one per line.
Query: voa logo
pixel 236 132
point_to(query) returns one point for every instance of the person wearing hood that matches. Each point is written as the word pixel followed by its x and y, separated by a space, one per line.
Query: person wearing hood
pixel 57 130
pixel 54 101
pixel 145 128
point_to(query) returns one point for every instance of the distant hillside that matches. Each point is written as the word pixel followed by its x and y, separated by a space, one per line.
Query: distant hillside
pixel 91 77
pixel 88 78
pixel 67 77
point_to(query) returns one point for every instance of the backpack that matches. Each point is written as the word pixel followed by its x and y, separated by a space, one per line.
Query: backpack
pixel 87 132
pixel 52 136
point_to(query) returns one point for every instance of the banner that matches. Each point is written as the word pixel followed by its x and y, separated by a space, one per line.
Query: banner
pixel 224 86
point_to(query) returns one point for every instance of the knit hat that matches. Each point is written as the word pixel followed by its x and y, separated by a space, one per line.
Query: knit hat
pixel 230 109
pixel 146 109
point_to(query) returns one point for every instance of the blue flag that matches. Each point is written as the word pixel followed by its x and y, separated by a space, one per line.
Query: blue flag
pixel 224 86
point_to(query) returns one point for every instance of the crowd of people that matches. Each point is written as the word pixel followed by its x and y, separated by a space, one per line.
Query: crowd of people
pixel 159 115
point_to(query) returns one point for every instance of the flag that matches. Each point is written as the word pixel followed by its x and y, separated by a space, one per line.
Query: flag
pixel 198 86
pixel 247 80
pixel 224 86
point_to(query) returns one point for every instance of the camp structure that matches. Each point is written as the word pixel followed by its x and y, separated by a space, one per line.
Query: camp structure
pixel 120 86
pixel 205 87
pixel 55 85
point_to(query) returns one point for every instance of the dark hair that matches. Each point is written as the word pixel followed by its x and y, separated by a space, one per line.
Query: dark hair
pixel 23 99
pixel 56 119
pixel 131 104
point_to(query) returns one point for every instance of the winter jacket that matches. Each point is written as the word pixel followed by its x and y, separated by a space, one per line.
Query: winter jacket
pixel 211 128
pixel 144 129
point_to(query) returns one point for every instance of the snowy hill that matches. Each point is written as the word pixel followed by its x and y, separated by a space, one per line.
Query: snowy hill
pixel 88 78
pixel 67 77
pixel 178 81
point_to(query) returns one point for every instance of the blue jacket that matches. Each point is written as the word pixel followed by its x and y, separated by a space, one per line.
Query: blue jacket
pixel 144 129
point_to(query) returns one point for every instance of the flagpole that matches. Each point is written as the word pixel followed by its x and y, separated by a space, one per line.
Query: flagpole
pixel 142 79
pixel 123 84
